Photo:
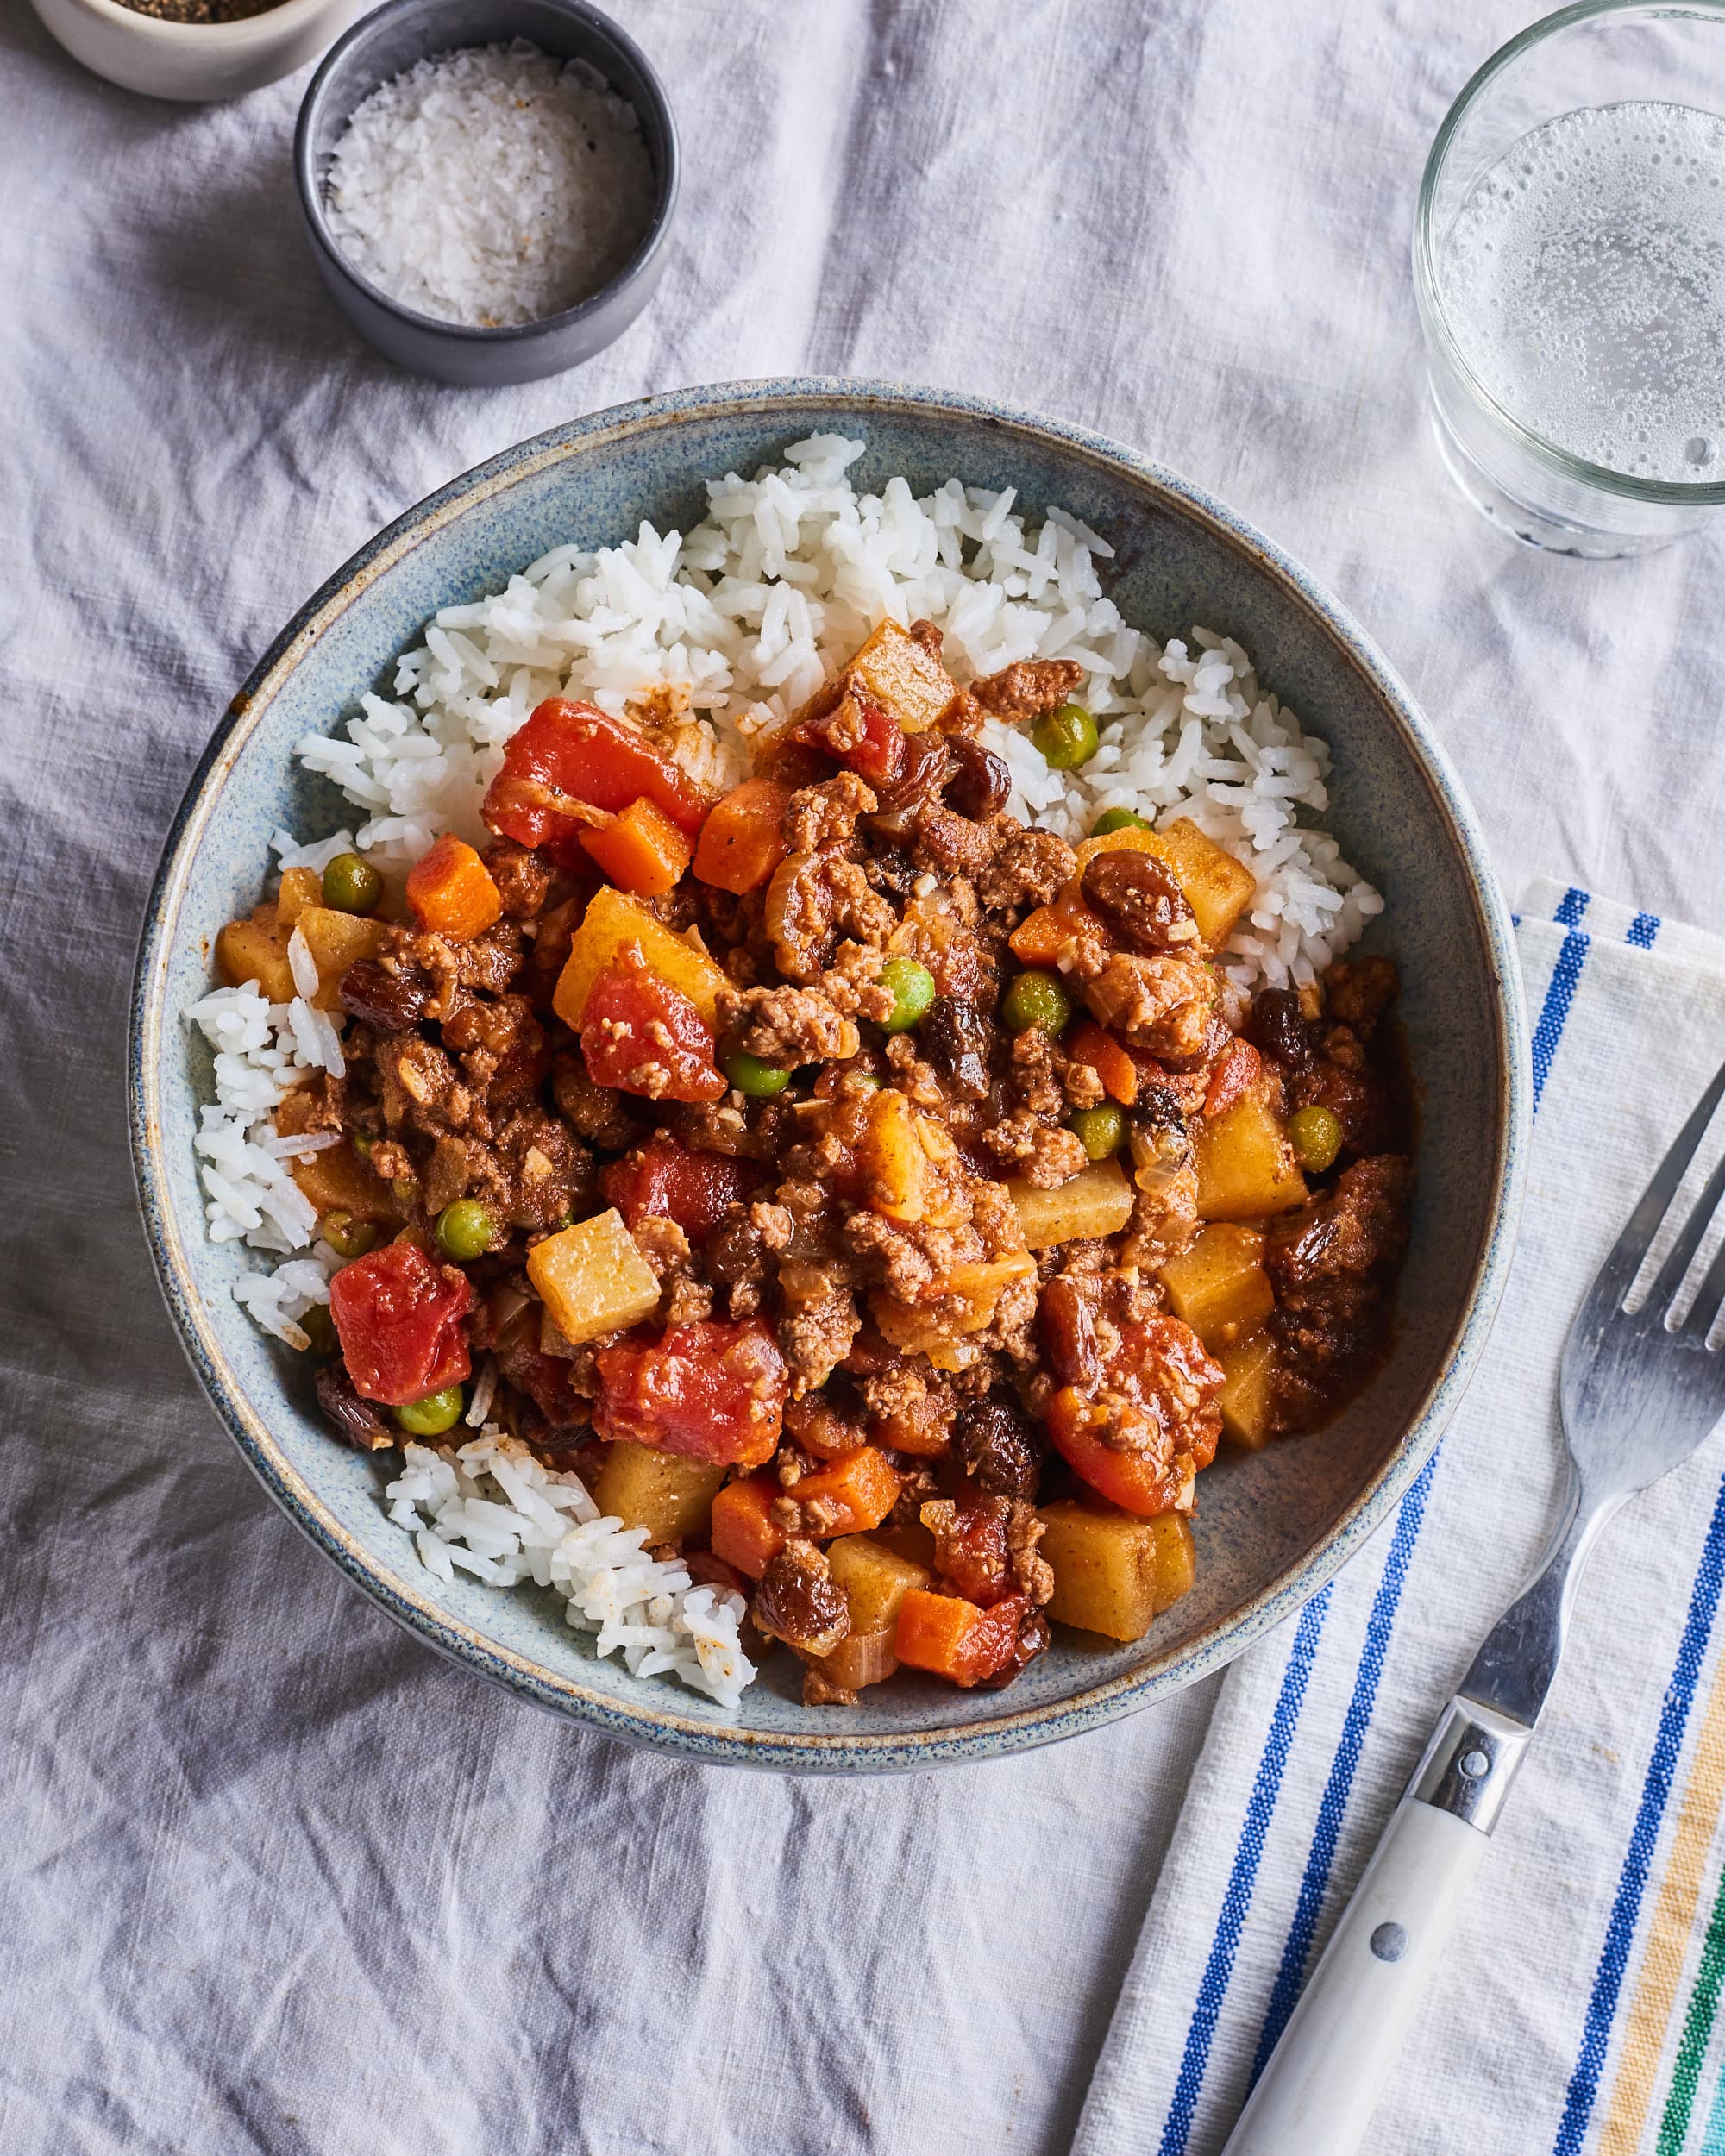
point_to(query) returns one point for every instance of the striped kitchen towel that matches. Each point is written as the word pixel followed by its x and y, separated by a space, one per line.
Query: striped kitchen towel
pixel 1578 2010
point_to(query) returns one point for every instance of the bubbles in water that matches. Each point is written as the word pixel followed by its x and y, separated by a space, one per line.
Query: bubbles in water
pixel 1585 280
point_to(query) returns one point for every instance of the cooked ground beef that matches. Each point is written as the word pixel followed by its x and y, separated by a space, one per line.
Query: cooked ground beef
pixel 833 1168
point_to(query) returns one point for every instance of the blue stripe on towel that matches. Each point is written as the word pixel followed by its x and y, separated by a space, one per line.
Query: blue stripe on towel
pixel 1571 907
pixel 1641 931
pixel 1334 1805
pixel 1238 1899
pixel 1626 1908
pixel 1560 989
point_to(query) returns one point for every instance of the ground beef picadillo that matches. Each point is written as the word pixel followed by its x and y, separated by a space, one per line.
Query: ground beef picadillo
pixel 888 1206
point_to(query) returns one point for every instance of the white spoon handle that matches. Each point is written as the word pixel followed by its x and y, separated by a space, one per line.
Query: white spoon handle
pixel 1316 2095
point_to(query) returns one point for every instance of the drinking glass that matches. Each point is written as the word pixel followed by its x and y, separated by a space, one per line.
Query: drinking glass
pixel 1568 258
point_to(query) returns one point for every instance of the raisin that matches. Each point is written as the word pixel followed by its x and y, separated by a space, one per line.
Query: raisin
pixel 924 769
pixel 1000 1450
pixel 799 1601
pixel 981 783
pixel 1068 1334
pixel 1141 900
pixel 1275 1026
pixel 353 1419
pixel 891 873
pixel 388 1002
pixel 956 1037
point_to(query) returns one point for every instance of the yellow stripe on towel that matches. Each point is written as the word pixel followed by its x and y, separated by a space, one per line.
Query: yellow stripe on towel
pixel 1669 1934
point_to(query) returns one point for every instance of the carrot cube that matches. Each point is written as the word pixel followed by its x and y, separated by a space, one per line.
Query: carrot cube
pixel 1041 936
pixel 743 1531
pixel 855 1491
pixel 451 892
pixel 740 841
pixel 1088 1043
pixel 640 850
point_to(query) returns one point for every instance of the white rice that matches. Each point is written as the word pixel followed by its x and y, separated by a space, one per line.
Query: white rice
pixel 740 620
pixel 491 186
pixel 490 1509
pixel 745 615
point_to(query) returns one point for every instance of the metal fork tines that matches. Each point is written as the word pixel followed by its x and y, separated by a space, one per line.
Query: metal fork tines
pixel 1638 1395
pixel 1638 1392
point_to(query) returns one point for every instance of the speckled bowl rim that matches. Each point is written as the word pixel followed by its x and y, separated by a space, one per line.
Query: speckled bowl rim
pixel 651 1722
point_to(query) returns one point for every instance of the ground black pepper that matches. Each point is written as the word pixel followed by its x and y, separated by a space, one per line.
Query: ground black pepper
pixel 201 11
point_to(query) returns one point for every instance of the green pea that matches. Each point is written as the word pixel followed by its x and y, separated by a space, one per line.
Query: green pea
pixel 912 988
pixel 347 1237
pixel 751 1077
pixel 1066 737
pixel 405 1193
pixel 1316 1133
pixel 1100 1131
pixel 363 1143
pixel 464 1229
pixel 1118 820
pixel 319 1327
pixel 432 1416
pixel 1036 999
pixel 351 885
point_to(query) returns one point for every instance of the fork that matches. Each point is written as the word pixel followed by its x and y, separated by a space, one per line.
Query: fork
pixel 1638 1393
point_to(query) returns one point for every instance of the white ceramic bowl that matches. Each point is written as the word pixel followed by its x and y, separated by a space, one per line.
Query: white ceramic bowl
pixel 195 62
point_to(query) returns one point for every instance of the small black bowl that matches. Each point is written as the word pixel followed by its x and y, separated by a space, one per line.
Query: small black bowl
pixel 380 47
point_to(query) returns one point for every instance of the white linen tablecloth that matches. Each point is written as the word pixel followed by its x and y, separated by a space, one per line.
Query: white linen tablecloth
pixel 272 1878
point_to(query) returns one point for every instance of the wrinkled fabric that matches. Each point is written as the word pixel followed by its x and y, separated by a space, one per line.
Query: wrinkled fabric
pixel 272 1877
pixel 1572 2008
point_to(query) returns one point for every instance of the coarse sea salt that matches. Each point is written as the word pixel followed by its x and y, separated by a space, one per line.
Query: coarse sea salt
pixel 491 186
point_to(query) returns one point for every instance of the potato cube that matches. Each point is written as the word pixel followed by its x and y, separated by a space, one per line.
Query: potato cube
pixel 612 919
pixel 1217 887
pixel 669 1496
pixel 1097 1201
pixel 593 1279
pixel 1246 1168
pixel 1247 1395
pixel 1114 1573
pixel 1219 1286
pixel 335 1179
pixel 1176 1558
pixel 300 887
pixel 256 950
pixel 900 675
pixel 336 941
pixel 875 1580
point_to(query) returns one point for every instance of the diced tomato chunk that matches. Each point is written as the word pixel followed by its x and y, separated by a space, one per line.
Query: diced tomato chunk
pixel 641 1035
pixel 400 1320
pixel 1235 1074
pixel 1159 1393
pixel 970 1548
pixel 570 754
pixel 663 1180
pixel 864 736
pixel 709 1389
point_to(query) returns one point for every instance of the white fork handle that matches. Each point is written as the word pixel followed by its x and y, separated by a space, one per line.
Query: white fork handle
pixel 1318 2092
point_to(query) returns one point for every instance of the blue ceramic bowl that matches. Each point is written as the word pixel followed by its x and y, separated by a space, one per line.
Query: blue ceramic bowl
pixel 1273 1526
